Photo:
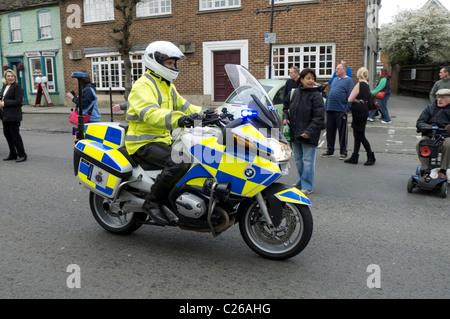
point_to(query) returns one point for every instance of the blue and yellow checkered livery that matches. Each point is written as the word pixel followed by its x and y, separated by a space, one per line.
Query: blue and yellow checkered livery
pixel 101 166
pixel 110 134
pixel 293 195
pixel 247 173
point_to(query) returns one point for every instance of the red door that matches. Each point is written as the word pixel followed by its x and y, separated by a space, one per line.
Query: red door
pixel 222 86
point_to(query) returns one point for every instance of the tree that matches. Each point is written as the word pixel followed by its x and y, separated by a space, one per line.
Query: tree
pixel 417 37
pixel 123 43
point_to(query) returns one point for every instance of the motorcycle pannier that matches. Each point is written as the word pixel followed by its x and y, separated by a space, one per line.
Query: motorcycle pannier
pixel 98 162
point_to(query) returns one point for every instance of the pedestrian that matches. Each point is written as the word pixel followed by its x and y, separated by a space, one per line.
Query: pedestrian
pixel 360 111
pixel 90 105
pixel 348 72
pixel 292 83
pixel 436 114
pixel 155 108
pixel 11 98
pixel 443 83
pixel 304 115
pixel 336 108
pixel 383 85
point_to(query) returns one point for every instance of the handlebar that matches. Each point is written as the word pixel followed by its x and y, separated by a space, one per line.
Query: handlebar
pixel 433 128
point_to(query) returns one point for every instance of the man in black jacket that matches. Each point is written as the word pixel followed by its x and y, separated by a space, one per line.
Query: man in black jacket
pixel 436 114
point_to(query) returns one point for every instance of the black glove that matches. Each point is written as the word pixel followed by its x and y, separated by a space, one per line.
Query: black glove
pixel 188 120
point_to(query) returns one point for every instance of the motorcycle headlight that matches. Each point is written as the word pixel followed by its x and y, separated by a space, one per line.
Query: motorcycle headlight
pixel 281 152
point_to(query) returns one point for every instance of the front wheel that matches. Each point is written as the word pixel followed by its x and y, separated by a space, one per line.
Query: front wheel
pixel 111 220
pixel 278 243
pixel 411 185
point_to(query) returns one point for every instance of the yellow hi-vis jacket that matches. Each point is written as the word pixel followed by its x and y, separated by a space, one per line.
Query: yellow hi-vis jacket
pixel 154 110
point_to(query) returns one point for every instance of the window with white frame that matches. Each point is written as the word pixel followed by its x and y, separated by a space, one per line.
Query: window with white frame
pixel 319 57
pixel 98 10
pixel 148 8
pixel 15 25
pixel 45 24
pixel 137 67
pixel 40 67
pixel 35 71
pixel 50 74
pixel 109 71
pixel 218 4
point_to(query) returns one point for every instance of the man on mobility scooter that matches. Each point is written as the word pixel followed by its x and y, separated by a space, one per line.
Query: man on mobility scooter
pixel 434 124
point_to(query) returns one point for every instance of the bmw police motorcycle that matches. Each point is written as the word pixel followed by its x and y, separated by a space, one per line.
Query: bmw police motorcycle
pixel 232 169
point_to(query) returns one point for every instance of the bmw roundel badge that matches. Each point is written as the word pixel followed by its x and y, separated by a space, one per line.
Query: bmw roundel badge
pixel 249 172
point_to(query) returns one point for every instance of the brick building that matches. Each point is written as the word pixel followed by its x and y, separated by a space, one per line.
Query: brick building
pixel 313 33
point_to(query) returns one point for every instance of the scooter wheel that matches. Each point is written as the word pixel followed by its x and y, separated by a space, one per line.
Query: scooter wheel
pixel 411 185
pixel 444 189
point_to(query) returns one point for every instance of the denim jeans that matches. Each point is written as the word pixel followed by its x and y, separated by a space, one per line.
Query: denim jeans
pixel 383 109
pixel 305 160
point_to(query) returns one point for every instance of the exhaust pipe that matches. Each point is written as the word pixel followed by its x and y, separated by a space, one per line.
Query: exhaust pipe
pixel 106 205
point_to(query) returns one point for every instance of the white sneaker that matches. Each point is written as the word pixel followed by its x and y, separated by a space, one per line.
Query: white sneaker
pixel 370 119
pixel 384 122
pixel 306 192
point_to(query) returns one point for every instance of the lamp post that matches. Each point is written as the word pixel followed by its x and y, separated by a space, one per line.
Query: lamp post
pixel 272 12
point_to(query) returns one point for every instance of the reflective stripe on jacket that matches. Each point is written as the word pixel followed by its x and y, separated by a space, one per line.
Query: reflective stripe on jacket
pixel 154 110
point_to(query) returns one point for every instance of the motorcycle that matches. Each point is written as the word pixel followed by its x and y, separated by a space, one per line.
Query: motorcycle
pixel 231 173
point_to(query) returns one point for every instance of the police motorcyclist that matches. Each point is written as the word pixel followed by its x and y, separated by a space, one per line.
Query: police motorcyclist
pixel 156 108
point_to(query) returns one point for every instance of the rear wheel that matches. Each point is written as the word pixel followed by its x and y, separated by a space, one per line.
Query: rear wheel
pixel 278 243
pixel 111 220
pixel 444 189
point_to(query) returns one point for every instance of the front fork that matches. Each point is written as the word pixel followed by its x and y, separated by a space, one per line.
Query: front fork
pixel 264 210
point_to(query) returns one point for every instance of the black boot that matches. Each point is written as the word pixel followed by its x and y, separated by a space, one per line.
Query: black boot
pixel 353 159
pixel 370 159
pixel 152 204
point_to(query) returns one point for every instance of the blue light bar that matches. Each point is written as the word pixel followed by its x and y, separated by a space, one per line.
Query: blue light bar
pixel 249 113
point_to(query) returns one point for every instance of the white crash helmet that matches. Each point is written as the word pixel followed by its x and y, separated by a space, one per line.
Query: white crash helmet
pixel 156 53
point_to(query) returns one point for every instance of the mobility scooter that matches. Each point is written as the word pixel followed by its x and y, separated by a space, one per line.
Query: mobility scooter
pixel 430 148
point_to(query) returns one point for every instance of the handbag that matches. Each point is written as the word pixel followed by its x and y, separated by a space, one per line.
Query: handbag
pixel 380 95
pixel 73 117
pixel 372 103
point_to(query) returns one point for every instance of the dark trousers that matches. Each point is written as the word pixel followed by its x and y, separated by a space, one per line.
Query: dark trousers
pixel 360 138
pixel 336 121
pixel 159 156
pixel 12 135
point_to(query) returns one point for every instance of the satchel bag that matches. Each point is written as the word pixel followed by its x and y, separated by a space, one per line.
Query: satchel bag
pixel 372 103
pixel 380 95
pixel 73 117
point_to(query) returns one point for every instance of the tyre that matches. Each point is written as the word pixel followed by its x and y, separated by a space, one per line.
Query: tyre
pixel 444 189
pixel 112 222
pixel 411 185
pixel 283 242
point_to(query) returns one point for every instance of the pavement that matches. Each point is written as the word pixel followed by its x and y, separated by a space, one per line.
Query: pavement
pixel 404 111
